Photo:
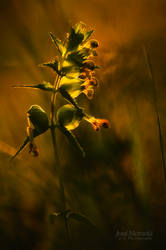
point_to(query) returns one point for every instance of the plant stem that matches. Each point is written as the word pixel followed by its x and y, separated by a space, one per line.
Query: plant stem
pixel 150 70
pixel 57 163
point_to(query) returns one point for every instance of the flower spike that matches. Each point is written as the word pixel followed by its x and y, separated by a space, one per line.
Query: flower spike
pixel 75 68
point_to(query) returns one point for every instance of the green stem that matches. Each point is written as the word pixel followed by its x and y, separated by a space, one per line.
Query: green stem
pixel 57 163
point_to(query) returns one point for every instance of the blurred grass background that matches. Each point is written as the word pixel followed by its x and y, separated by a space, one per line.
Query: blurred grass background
pixel 120 184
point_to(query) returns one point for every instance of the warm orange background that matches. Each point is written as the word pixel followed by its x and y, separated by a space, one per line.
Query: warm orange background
pixel 120 184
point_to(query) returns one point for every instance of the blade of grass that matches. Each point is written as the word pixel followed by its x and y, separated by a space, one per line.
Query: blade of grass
pixel 150 71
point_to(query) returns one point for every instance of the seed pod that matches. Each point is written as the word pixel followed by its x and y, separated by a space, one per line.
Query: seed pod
pixel 69 117
pixel 38 117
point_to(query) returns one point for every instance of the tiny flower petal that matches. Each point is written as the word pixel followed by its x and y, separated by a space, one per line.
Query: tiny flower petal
pixel 104 123
pixel 89 92
pixel 93 82
pixel 87 72
pixel 97 123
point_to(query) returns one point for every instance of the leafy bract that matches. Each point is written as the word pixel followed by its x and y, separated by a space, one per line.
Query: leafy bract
pixel 87 35
pixel 77 36
pixel 69 67
pixel 75 39
pixel 78 57
pixel 61 48
pixel 72 85
pixel 68 97
pixel 53 65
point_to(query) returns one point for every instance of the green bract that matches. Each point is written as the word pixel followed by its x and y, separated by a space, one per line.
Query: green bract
pixel 61 48
pixel 79 56
pixel 53 65
pixel 72 85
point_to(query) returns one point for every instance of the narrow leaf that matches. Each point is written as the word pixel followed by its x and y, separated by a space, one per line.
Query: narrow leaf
pixel 20 149
pixel 53 65
pixel 43 86
pixel 72 139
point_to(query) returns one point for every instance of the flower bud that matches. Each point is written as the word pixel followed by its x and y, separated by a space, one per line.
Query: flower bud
pixel 39 119
pixel 69 117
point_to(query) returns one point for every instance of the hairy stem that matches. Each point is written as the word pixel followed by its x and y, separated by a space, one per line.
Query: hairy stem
pixel 57 163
